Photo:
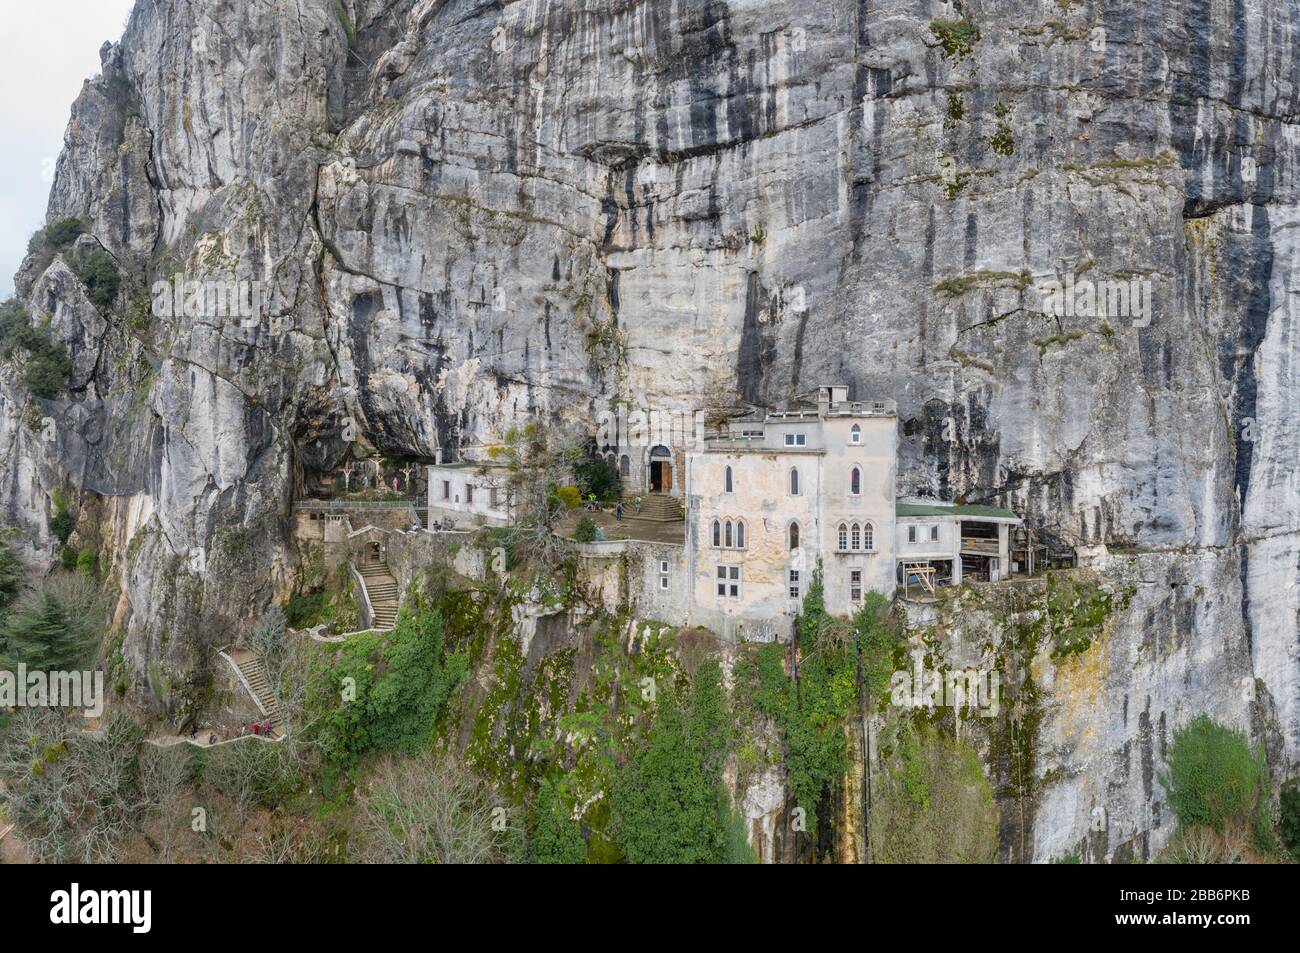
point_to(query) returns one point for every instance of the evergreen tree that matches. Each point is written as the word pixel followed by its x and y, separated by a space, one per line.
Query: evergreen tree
pixel 11 571
pixel 54 627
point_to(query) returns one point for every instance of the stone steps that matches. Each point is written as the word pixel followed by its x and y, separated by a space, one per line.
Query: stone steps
pixel 254 673
pixel 381 590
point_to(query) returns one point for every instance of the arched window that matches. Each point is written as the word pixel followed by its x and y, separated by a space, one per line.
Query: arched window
pixel 740 534
pixel 868 537
pixel 855 481
pixel 726 480
pixel 857 536
pixel 625 465
pixel 717 533
pixel 727 531
pixel 794 481
pixel 794 535
pixel 855 435
pixel 844 537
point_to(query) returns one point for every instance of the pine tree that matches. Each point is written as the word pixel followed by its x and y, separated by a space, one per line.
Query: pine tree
pixel 55 627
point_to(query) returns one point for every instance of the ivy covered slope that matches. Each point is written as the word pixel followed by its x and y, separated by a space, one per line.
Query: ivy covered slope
pixel 463 220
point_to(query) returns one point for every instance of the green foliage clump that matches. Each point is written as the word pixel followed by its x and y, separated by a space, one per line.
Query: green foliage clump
pixel 585 531
pixel 595 476
pixel 61 524
pixel 98 272
pixel 1003 141
pixel 1214 781
pixel 1289 819
pixel 47 366
pixel 669 803
pixel 812 715
pixel 345 21
pixel 384 691
pixel 11 569
pixel 935 806
pixel 59 235
pixel 556 836
pixel 957 38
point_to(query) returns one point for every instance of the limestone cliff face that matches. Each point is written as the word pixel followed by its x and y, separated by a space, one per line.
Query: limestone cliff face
pixel 467 213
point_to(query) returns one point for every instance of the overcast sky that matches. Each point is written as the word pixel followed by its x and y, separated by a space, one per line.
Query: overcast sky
pixel 47 50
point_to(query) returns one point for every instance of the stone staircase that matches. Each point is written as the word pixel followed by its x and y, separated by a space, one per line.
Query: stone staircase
pixel 658 507
pixel 254 672
pixel 381 589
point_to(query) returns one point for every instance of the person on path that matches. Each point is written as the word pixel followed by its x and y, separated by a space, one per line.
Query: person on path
pixel 618 512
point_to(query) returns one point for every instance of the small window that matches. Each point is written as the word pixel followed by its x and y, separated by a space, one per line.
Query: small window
pixel 868 537
pixel 844 537
pixel 469 494
pixel 663 582
pixel 726 480
pixel 729 582
pixel 726 534
pixel 911 534
pixel 855 435
pixel 794 481
pixel 934 533
pixel 855 481
pixel 857 536
pixel 794 584
pixel 492 497
pixel 855 585
pixel 446 489
pixel 625 465
pixel 663 566
pixel 717 534
pixel 740 534
pixel 796 440
pixel 794 535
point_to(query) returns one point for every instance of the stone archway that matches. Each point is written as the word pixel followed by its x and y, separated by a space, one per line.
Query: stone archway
pixel 659 469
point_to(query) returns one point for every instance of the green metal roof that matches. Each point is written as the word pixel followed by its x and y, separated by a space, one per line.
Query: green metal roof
pixel 972 512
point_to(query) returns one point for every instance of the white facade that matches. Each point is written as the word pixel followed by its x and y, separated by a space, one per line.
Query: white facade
pixel 765 504
pixel 467 494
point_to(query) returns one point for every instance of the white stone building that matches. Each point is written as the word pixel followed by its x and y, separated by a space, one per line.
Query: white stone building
pixel 780 492
pixel 468 494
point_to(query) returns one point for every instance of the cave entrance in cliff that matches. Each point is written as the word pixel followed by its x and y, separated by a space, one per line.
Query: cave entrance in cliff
pixel 661 470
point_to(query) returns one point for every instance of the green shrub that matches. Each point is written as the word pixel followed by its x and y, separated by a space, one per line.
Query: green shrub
pixel 47 363
pixel 58 235
pixel 585 531
pixel 957 38
pixel 68 557
pixel 934 806
pixel 1290 816
pixel 669 804
pixel 98 272
pixel 345 21
pixel 1213 778
pixel 61 525
pixel 88 562
pixel 556 836
pixel 11 569
pixel 383 691
pixel 595 477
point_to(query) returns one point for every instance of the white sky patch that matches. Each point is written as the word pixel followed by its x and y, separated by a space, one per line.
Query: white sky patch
pixel 47 50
